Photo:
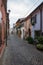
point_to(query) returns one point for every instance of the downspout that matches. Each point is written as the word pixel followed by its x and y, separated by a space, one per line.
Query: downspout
pixel 40 21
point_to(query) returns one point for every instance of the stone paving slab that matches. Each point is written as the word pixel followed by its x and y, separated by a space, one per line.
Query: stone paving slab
pixel 19 52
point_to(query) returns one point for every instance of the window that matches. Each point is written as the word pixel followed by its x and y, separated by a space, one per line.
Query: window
pixel 33 20
pixel 37 33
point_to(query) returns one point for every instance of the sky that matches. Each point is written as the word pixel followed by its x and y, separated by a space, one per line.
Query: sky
pixel 21 9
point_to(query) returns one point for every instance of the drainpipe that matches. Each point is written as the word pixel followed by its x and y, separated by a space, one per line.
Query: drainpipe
pixel 40 21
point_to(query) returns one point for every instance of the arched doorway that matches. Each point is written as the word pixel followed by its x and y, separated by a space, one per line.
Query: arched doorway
pixel 29 32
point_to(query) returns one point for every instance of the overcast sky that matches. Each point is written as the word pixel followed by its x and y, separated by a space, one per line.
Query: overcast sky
pixel 21 8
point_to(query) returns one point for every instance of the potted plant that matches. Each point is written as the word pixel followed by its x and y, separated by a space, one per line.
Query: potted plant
pixel 40 43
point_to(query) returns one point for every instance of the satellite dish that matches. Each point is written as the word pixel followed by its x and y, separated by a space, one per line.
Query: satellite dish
pixel 0 16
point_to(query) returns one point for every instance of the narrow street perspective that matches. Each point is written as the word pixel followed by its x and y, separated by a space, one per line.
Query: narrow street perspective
pixel 21 32
pixel 18 52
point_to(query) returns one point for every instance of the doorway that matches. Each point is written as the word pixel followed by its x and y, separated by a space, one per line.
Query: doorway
pixel 29 32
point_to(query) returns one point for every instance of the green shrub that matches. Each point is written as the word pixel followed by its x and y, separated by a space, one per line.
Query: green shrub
pixel 40 39
pixel 27 38
pixel 30 40
pixel 40 46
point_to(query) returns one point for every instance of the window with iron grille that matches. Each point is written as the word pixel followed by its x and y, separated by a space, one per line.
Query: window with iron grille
pixel 33 20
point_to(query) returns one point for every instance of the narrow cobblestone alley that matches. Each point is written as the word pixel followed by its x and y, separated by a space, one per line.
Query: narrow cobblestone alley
pixel 19 52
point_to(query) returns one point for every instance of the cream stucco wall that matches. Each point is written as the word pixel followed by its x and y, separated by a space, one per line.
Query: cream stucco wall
pixel 22 32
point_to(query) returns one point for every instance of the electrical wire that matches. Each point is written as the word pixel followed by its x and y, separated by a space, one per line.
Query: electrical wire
pixel 31 7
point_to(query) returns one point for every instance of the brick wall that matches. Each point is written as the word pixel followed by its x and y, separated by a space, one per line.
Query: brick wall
pixel 3 23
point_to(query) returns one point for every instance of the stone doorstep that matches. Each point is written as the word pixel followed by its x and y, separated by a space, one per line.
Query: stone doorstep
pixel 2 48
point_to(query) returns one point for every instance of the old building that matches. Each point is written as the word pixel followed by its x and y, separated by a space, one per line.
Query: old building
pixel 20 27
pixel 32 25
pixel 14 28
pixel 8 24
pixel 3 11
pixel 27 26
pixel 36 19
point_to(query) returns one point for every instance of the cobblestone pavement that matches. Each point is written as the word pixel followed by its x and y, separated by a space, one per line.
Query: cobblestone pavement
pixel 19 52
